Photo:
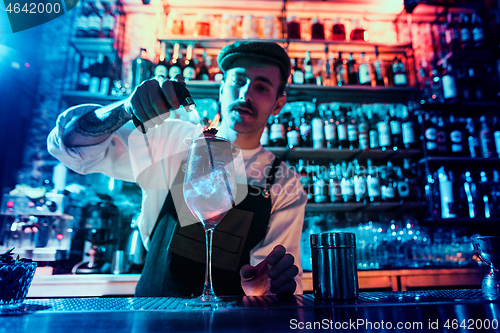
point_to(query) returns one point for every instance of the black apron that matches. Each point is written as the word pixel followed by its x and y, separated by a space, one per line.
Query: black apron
pixel 176 259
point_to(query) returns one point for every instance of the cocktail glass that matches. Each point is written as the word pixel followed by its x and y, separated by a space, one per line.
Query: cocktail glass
pixel 209 192
pixel 488 250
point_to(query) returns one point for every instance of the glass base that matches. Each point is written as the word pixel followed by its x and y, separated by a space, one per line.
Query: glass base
pixel 208 302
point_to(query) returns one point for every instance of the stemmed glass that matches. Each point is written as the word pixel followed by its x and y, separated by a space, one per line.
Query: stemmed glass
pixel 488 250
pixel 209 191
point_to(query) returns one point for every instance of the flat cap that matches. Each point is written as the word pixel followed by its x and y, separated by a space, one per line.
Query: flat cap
pixel 264 50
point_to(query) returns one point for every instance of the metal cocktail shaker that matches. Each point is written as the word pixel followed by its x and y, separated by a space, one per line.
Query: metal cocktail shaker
pixel 335 274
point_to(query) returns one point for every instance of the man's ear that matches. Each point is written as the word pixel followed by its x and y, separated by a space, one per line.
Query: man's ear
pixel 280 103
pixel 221 88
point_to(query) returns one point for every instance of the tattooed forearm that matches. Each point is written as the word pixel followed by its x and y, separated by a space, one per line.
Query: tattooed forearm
pixel 102 121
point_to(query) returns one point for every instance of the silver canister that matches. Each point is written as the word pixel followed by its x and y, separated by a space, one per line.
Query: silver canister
pixel 335 274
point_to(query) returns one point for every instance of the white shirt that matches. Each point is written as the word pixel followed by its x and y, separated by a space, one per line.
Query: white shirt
pixel 125 155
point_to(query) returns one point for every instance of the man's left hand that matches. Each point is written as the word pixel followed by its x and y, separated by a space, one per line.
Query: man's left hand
pixel 275 274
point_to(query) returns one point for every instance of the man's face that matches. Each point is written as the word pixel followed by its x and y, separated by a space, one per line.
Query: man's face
pixel 248 95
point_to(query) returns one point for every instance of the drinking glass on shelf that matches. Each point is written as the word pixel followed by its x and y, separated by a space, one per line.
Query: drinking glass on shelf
pixel 209 191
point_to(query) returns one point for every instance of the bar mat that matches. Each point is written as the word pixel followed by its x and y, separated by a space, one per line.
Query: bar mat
pixel 250 302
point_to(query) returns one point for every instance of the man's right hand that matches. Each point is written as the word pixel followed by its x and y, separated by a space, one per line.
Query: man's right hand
pixel 152 100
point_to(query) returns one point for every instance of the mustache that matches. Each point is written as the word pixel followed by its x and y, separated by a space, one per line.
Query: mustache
pixel 243 105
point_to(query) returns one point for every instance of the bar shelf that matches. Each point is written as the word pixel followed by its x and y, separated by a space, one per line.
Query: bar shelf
pixel 365 206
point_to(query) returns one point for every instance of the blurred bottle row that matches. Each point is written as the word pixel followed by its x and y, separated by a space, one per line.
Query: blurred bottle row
pixel 463 192
pixel 448 135
pixel 358 182
pixel 398 243
pixel 229 25
pixel 331 70
pixel 343 126
pixel 96 19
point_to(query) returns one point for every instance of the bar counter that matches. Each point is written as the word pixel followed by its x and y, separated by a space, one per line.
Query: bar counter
pixel 408 311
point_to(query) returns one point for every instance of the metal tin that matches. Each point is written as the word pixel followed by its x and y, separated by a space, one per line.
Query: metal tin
pixel 335 274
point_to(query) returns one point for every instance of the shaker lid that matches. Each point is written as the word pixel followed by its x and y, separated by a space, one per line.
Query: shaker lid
pixel 333 240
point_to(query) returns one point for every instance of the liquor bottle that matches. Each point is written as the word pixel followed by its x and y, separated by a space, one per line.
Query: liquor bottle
pixel 403 184
pixel 363 131
pixel 317 29
pixel 486 199
pixel 335 178
pixel 357 33
pixel 495 192
pixel 340 71
pixel 308 69
pixel 384 132
pixel 106 76
pixel 410 177
pixel 96 74
pixel 141 68
pixel 452 33
pixel 189 70
pixel 203 73
pixel 293 28
pixel 372 128
pixel 432 194
pixel 338 30
pixel 298 73
pixel 472 138
pixel 399 73
pixel 352 130
pixel 478 36
pixel 466 39
pixel 161 68
pixel 448 209
pixel 378 70
pixel 436 86
pixel 330 129
pixel 83 80
pixel 175 65
pixel 94 23
pixel 471 193
pixel 305 180
pixel 108 21
pixel 441 137
pixel 305 128
pixel 352 73
pixel 496 135
pixel 486 140
pixel 329 79
pixel 373 182
pixel 462 84
pixel 318 136
pixel 277 133
pixel 320 185
pixel 292 135
pixel 389 185
pixel 456 137
pixel 364 71
pixel 359 181
pixel 448 82
pixel 346 184
pixel 396 129
pixel 430 134
pixel 342 131
pixel 82 22
pixel 476 82
pixel 409 130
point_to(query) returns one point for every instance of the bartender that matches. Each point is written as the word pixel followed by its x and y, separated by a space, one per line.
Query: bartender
pixel 257 244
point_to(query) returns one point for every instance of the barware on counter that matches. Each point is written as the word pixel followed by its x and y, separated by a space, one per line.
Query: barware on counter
pixel 488 250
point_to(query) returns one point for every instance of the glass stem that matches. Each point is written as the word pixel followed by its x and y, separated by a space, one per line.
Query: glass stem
pixel 208 290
